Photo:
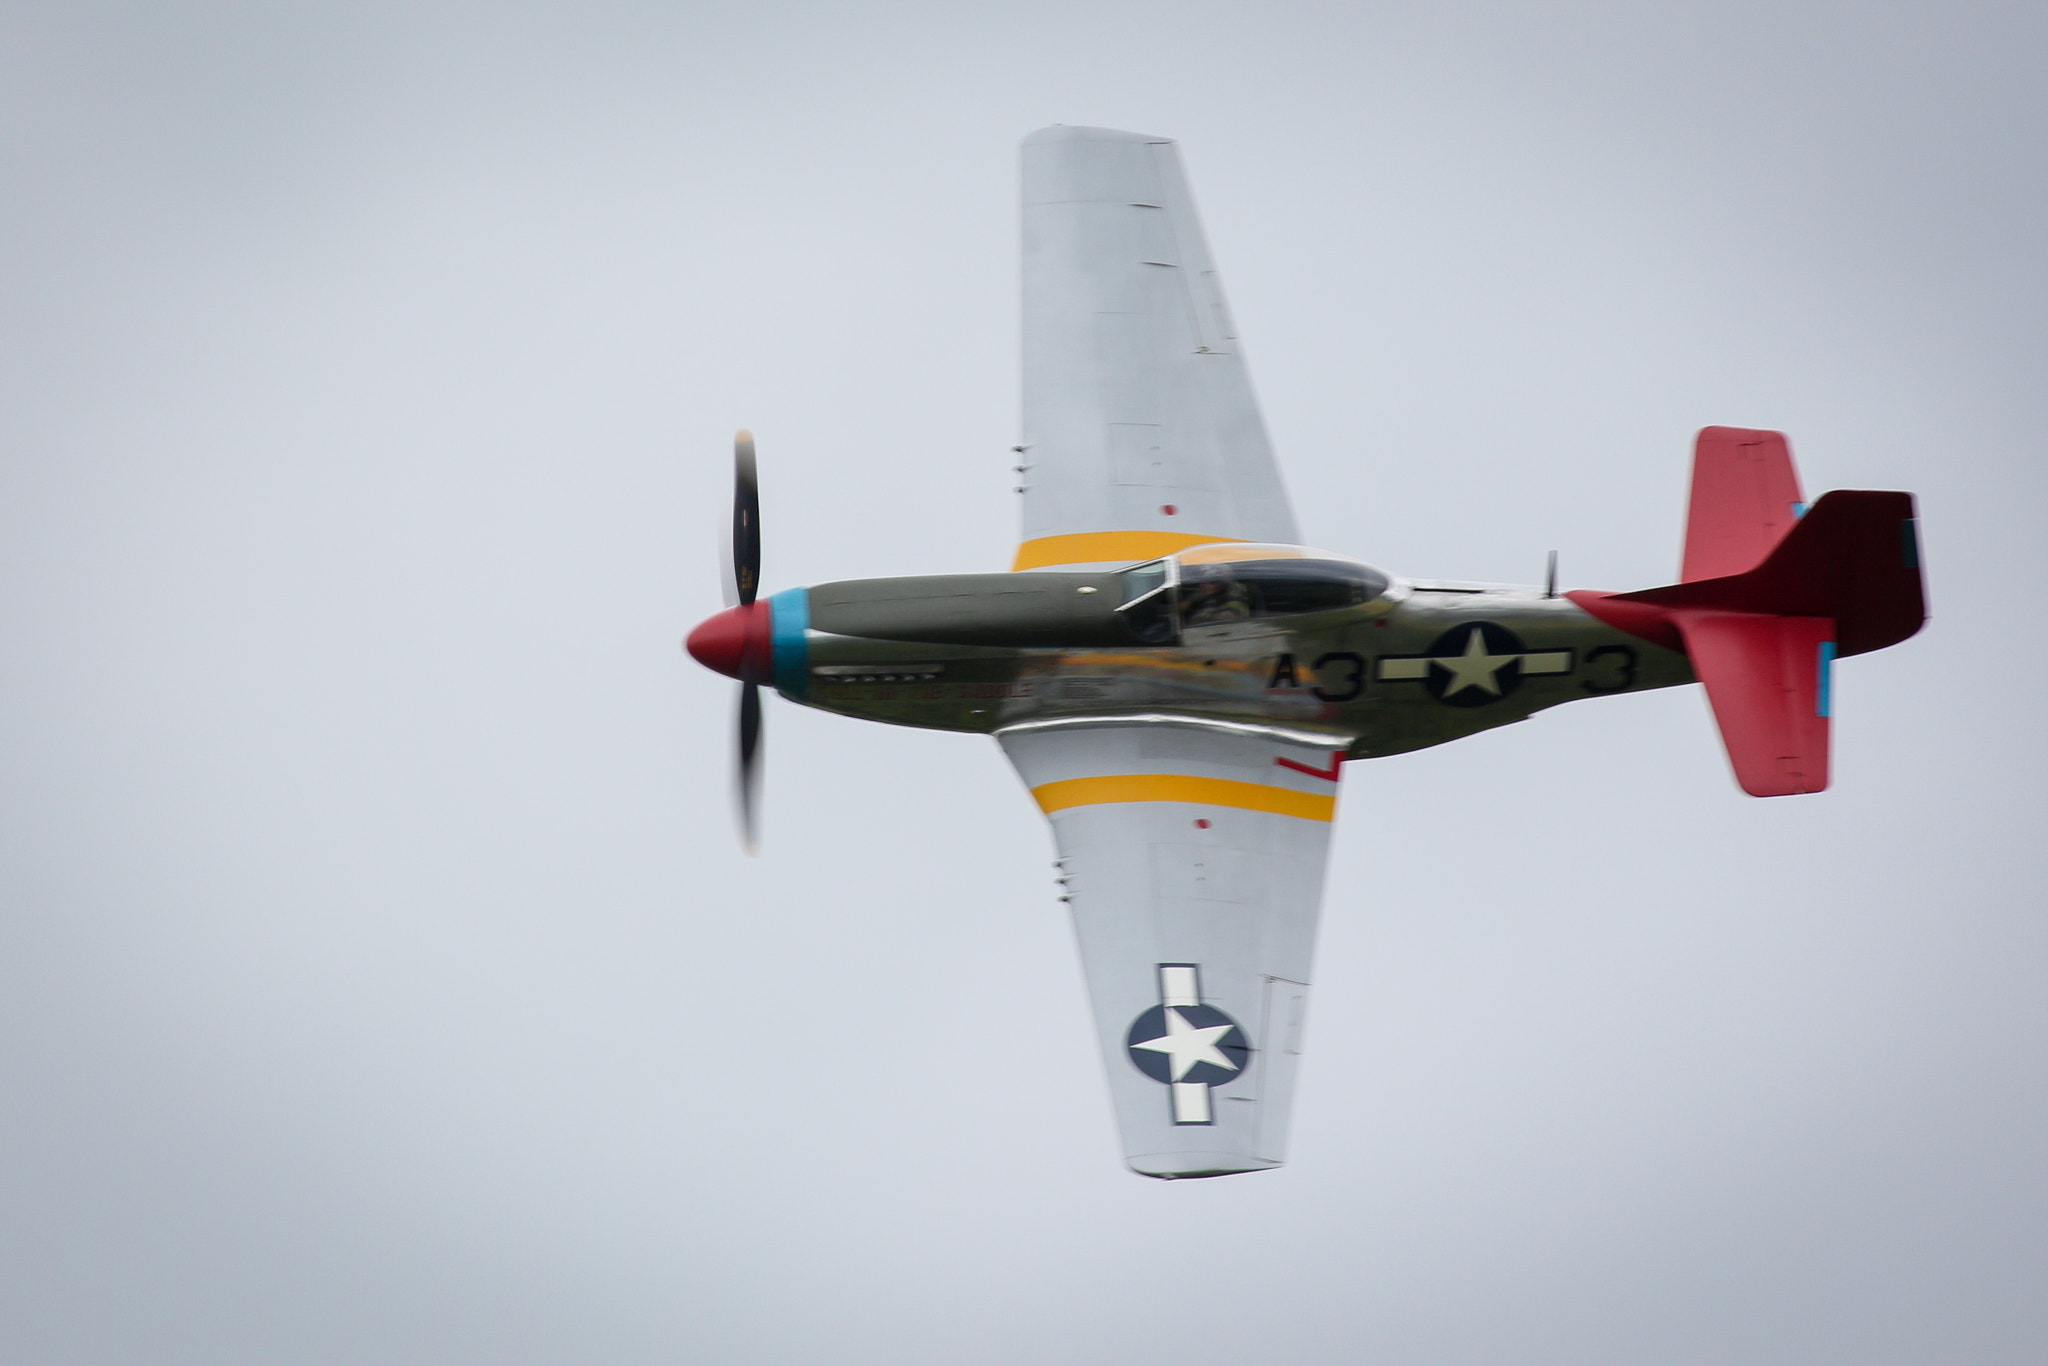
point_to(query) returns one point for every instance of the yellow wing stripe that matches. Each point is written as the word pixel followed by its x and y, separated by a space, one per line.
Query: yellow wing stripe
pixel 1178 787
pixel 1101 547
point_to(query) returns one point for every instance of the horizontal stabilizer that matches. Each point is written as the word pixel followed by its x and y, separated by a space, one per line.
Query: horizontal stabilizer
pixel 1745 497
pixel 1767 680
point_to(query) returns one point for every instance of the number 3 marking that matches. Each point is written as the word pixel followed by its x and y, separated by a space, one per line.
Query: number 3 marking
pixel 1355 679
pixel 1624 659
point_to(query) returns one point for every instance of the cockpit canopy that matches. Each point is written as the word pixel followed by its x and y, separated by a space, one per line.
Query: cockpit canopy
pixel 1232 583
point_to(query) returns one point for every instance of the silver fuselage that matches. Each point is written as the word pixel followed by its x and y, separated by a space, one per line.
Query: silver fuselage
pixel 1424 664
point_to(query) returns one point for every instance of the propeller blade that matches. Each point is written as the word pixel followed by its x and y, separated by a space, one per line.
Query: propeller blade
pixel 748 786
pixel 746 518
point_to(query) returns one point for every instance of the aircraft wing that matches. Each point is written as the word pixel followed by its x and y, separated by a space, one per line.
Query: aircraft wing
pixel 1141 435
pixel 1192 853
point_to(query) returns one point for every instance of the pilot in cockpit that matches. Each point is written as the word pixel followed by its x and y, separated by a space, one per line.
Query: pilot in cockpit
pixel 1215 601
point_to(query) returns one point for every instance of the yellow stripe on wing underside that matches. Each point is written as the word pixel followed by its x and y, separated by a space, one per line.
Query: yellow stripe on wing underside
pixel 1106 547
pixel 1179 787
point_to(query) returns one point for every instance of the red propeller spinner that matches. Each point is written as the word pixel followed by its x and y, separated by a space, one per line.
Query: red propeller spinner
pixel 736 642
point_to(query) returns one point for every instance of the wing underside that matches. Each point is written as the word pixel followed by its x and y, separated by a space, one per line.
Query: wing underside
pixel 1141 434
pixel 1193 859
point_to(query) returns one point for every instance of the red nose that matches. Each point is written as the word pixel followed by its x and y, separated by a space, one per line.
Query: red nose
pixel 738 642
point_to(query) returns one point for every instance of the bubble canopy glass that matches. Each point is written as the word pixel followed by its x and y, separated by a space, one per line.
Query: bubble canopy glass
pixel 1232 582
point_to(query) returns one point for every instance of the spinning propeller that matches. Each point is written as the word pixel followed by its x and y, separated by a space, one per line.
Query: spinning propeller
pixel 737 642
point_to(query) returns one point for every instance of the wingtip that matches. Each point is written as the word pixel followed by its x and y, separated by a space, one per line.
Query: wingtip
pixel 1196 1166
pixel 1078 132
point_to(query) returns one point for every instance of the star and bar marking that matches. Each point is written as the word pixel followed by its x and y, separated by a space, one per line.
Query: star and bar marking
pixel 1186 1045
pixel 1471 665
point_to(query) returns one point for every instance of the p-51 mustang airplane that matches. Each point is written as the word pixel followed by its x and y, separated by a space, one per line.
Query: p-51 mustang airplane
pixel 1179 681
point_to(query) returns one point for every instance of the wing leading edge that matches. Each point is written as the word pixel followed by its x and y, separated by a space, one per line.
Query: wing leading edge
pixel 1141 432
pixel 1193 856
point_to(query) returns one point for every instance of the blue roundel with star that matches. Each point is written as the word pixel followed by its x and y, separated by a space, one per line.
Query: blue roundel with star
pixel 1473 664
pixel 1197 1044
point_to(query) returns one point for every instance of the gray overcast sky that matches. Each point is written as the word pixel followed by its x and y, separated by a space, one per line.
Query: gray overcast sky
pixel 379 978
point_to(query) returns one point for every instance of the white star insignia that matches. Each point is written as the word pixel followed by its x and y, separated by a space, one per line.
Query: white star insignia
pixel 1475 668
pixel 1187 1045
